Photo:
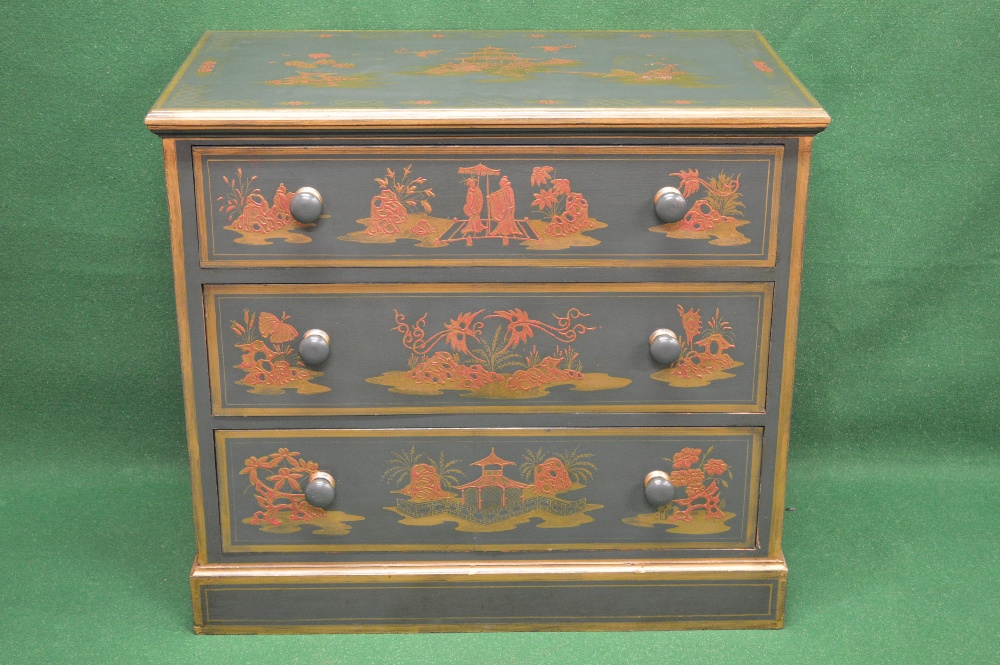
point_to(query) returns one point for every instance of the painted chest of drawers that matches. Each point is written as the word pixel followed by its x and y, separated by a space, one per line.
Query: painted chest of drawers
pixel 487 331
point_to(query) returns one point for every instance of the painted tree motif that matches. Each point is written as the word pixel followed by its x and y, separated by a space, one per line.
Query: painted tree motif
pixel 704 352
pixel 256 220
pixel 275 493
pixel 716 216
pixel 497 366
pixel 269 363
pixel 701 510
pixel 321 70
pixel 278 481
pixel 564 211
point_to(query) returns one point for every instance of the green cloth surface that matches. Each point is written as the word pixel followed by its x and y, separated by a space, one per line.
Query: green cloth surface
pixel 893 464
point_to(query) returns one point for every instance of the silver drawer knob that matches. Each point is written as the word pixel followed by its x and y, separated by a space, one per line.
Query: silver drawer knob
pixel 320 490
pixel 670 205
pixel 314 347
pixel 664 346
pixel 659 490
pixel 306 205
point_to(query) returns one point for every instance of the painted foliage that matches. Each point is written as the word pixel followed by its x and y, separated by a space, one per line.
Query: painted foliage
pixel 269 361
pixel 402 211
pixel 321 70
pixel 277 480
pixel 257 220
pixel 436 491
pixel 702 508
pixel 464 356
pixel 716 216
pixel 498 62
pixel 704 352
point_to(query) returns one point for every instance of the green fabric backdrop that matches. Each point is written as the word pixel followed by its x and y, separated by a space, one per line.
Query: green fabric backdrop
pixel 893 461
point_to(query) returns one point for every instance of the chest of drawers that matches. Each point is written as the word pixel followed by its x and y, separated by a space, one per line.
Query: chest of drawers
pixel 486 331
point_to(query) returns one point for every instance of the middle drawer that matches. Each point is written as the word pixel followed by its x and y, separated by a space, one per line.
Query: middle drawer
pixel 478 348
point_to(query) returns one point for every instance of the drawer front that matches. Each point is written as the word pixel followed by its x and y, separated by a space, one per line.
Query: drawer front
pixel 467 205
pixel 471 348
pixel 464 490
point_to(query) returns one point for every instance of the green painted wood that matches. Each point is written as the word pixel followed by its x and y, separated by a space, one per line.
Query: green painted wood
pixel 503 348
pixel 571 203
pixel 428 70
pixel 431 492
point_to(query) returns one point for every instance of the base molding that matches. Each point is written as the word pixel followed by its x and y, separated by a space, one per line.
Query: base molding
pixel 467 596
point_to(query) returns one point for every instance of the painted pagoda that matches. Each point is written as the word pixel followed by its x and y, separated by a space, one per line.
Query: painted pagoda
pixel 491 499
pixel 493 485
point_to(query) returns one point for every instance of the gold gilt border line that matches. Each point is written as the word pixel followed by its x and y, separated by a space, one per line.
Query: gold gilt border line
pixel 219 408
pixel 749 507
pixel 773 153
pixel 494 571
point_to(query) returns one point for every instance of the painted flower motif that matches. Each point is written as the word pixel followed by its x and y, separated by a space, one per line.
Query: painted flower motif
pixel 319 56
pixel 437 35
pixel 561 186
pixel 308 467
pixel 686 458
pixel 253 463
pixel 645 35
pixel 541 175
pixel 519 329
pixel 461 328
pixel 763 66
pixel 691 320
pixel 545 199
pixel 683 101
pixel 537 36
pixel 283 454
pixel 326 35
pixel 689 181
pixel 687 478
pixel 423 102
pixel 547 101
pixel 716 467
pixel 294 103
pixel 283 476
pixel 206 67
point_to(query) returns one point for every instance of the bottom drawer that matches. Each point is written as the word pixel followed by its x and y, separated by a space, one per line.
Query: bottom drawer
pixel 468 490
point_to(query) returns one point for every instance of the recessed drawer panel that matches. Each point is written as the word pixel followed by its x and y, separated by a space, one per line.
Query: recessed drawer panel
pixel 374 349
pixel 495 205
pixel 487 490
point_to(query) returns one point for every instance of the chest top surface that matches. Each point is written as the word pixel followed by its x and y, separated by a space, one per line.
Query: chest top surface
pixel 331 80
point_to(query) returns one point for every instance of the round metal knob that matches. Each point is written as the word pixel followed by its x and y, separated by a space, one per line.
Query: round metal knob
pixel 314 347
pixel 320 490
pixel 670 206
pixel 664 346
pixel 659 491
pixel 306 205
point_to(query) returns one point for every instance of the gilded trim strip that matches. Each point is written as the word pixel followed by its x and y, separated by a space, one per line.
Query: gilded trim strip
pixel 723 119
pixel 184 337
pixel 791 337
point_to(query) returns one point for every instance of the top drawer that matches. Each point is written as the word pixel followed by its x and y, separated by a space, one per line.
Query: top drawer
pixel 388 206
